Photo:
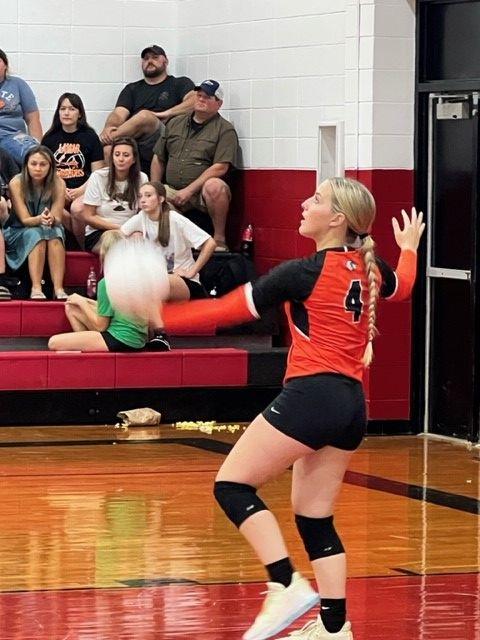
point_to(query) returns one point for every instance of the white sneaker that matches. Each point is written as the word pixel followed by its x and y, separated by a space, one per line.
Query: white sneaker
pixel 281 607
pixel 314 630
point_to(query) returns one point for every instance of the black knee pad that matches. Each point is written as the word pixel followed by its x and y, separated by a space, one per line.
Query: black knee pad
pixel 319 537
pixel 239 501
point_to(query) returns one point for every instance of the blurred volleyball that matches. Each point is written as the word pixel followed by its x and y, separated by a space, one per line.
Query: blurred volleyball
pixel 136 278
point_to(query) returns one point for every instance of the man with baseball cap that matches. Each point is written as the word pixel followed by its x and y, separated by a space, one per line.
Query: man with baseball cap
pixel 142 106
pixel 193 156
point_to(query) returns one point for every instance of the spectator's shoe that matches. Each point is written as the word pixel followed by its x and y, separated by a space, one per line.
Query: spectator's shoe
pixel 314 630
pixel 281 607
pixel 5 293
pixel 37 294
pixel 61 295
pixel 159 342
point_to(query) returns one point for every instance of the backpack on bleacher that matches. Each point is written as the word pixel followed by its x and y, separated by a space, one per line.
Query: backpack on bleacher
pixel 224 273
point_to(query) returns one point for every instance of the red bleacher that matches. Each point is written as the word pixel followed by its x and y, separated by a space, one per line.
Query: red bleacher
pixel 25 370
pixel 40 370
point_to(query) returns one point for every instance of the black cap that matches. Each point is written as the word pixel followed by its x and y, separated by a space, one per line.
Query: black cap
pixel 155 49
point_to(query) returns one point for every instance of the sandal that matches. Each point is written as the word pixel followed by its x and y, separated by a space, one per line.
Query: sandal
pixel 60 295
pixel 37 294
pixel 221 247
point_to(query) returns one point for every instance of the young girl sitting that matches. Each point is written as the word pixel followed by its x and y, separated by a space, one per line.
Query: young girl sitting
pixel 97 326
pixel 177 236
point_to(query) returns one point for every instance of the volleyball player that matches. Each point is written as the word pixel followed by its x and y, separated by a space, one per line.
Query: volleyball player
pixel 319 419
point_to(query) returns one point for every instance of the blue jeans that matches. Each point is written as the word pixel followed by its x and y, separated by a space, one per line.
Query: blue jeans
pixel 17 145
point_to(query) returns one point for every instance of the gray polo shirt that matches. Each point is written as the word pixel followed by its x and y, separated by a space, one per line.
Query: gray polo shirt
pixel 188 153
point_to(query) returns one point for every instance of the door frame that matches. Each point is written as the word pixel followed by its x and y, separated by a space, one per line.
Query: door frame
pixel 431 272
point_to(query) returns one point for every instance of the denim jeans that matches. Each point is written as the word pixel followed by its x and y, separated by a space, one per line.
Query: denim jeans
pixel 17 145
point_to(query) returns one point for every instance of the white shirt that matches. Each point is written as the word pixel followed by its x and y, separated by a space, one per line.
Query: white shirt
pixel 184 236
pixel 97 196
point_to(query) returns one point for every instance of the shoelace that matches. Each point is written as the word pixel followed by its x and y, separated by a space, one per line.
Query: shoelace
pixel 310 626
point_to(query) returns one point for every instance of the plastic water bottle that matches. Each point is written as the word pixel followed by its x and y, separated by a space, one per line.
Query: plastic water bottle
pixel 246 247
pixel 92 283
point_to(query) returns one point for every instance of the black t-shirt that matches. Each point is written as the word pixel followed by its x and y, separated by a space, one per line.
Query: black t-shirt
pixel 74 153
pixel 154 97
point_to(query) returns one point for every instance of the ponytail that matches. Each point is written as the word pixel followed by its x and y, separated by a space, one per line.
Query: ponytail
pixel 164 225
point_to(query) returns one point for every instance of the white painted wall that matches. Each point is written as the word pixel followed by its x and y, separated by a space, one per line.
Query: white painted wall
pixel 90 47
pixel 379 83
pixel 282 63
pixel 286 65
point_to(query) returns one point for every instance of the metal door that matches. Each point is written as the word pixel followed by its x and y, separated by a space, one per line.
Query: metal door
pixel 451 407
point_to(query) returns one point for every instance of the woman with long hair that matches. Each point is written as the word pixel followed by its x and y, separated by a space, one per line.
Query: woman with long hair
pixel 78 152
pixel 319 418
pixel 111 194
pixel 34 230
pixel 177 236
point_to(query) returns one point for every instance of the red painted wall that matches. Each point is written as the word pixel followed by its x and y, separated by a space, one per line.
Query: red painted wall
pixel 270 200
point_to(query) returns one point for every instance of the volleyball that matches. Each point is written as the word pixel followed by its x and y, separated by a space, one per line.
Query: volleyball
pixel 136 278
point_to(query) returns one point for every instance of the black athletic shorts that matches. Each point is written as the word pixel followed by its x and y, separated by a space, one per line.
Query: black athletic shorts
pixel 196 289
pixel 92 239
pixel 319 410
pixel 116 345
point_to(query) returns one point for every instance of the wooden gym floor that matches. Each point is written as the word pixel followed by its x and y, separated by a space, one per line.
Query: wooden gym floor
pixel 115 535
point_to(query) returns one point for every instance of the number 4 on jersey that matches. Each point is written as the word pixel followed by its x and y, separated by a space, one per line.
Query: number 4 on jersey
pixel 353 300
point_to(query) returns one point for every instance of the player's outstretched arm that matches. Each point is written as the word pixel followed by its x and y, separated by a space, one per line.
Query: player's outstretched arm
pixel 234 308
pixel 408 238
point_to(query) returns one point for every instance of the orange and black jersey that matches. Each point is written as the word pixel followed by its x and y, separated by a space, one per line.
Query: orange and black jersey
pixel 326 300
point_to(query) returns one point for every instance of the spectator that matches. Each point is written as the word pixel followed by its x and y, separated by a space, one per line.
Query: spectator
pixel 34 230
pixel 8 169
pixel 97 326
pixel 142 106
pixel 18 114
pixel 177 236
pixel 77 151
pixel 193 157
pixel 111 194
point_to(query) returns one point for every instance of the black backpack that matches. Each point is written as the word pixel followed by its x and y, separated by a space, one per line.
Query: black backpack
pixel 226 271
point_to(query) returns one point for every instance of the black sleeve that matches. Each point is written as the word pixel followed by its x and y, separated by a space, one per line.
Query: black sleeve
pixel 389 279
pixel 184 85
pixel 292 280
pixel 125 99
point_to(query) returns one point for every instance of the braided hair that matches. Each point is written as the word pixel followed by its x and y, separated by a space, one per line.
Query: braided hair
pixel 355 201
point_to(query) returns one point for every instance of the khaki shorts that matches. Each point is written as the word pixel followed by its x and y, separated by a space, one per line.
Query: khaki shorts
pixel 197 202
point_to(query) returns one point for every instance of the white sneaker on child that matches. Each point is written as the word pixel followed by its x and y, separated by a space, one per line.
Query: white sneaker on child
pixel 314 630
pixel 281 607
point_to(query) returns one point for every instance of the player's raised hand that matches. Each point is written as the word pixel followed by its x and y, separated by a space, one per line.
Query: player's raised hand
pixel 409 236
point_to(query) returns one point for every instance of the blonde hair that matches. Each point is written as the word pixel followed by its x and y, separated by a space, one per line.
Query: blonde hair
pixel 355 201
pixel 109 238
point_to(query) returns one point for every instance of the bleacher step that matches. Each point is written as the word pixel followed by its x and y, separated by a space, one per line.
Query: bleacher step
pixel 263 342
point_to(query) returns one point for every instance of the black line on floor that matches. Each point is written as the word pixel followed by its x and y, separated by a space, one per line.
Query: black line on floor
pixel 394 487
